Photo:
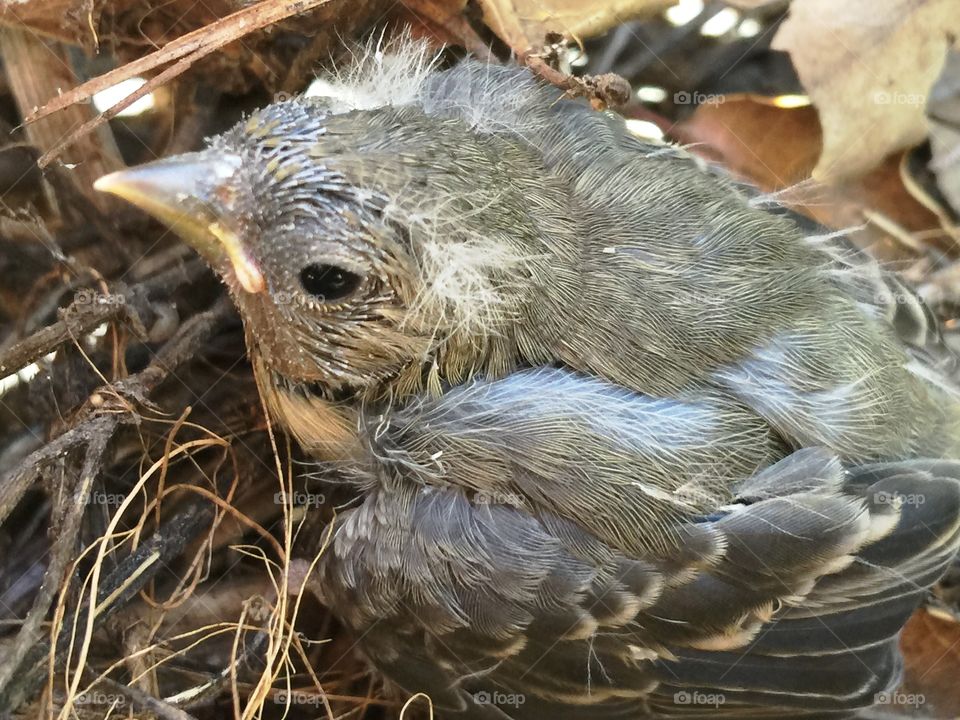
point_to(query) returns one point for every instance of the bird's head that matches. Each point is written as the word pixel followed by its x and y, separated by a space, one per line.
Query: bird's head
pixel 367 250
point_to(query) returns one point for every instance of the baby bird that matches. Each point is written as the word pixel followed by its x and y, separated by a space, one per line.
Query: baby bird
pixel 626 441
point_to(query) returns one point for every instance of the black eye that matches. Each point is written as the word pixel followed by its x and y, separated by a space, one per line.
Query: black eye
pixel 328 282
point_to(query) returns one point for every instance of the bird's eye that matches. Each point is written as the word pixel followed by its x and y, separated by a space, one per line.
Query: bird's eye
pixel 328 282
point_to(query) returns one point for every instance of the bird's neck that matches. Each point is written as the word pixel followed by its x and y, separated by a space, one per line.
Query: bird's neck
pixel 325 428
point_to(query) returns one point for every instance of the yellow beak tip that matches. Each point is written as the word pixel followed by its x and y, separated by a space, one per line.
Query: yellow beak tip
pixel 104 183
pixel 115 183
pixel 160 189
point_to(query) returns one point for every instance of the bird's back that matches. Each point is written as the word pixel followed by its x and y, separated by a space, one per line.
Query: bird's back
pixel 641 265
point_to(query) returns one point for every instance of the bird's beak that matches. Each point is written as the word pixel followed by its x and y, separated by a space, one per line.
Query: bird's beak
pixel 191 195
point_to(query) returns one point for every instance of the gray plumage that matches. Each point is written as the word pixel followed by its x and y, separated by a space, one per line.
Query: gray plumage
pixel 622 437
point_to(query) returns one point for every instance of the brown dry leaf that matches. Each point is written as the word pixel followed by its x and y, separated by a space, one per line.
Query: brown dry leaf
pixel 868 66
pixel 523 24
pixel 50 17
pixel 772 147
pixel 931 651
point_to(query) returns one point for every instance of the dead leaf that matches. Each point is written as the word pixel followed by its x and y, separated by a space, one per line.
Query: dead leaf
pixel 772 147
pixel 931 651
pixel 868 66
pixel 523 24
pixel 49 17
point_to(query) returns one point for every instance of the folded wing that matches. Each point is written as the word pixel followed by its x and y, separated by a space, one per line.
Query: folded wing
pixel 541 546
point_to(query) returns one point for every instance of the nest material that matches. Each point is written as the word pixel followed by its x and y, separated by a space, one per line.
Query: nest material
pixel 147 518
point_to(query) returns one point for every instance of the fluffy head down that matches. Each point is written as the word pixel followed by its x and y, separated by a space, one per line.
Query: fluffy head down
pixel 381 74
